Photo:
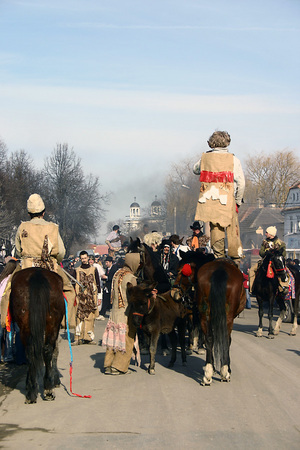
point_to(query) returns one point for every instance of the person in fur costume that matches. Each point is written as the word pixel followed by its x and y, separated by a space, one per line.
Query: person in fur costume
pixel 119 335
pixel 221 193
pixel 39 244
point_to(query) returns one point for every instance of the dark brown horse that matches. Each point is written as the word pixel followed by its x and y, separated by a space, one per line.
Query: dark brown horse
pixel 220 296
pixel 37 306
pixel 151 269
pixel 157 313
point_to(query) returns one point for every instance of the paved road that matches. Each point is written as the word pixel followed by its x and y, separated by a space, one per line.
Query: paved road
pixel 259 408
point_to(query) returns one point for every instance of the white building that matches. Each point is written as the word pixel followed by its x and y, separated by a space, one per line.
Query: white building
pixel 291 213
pixel 135 221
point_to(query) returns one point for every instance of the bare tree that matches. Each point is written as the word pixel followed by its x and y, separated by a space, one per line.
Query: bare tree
pixel 22 181
pixel 73 199
pixel 269 177
pixel 181 195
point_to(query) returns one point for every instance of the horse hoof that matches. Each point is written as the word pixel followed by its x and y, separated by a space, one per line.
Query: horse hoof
pixel 271 336
pixel 293 333
pixel 151 371
pixel 276 332
pixel 206 382
pixel 225 379
pixel 49 396
pixel 225 374
pixel 29 402
pixel 259 333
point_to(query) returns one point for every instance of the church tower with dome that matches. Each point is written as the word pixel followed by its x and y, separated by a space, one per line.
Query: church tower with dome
pixel 135 221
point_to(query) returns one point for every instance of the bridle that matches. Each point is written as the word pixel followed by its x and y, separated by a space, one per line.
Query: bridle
pixel 278 271
pixel 186 294
pixel 150 307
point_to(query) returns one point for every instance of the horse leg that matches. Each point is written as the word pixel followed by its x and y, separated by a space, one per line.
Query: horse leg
pixel 295 322
pixel 181 334
pixel 270 318
pixel 279 322
pixel 173 339
pixel 181 325
pixel 282 307
pixel 225 363
pixel 190 329
pixel 56 377
pixel 209 367
pixel 153 347
pixel 48 377
pixel 259 332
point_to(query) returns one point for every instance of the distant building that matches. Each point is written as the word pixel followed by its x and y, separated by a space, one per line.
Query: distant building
pixel 291 213
pixel 134 223
pixel 255 220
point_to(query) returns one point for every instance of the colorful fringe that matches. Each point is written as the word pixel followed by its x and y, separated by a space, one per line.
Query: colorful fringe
pixel 114 336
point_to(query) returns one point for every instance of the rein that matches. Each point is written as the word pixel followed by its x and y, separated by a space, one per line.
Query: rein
pixel 271 265
pixel 71 363
pixel 150 308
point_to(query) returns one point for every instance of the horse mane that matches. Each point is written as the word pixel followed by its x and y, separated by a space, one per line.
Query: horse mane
pixel 135 246
pixel 153 270
pixel 197 258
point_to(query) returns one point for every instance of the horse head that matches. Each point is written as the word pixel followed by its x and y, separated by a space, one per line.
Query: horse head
pixel 141 299
pixel 183 287
pixel 279 265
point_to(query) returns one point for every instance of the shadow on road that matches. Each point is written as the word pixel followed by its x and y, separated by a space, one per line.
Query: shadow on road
pixel 10 375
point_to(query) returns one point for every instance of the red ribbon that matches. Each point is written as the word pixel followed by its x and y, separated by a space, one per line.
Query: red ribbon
pixel 270 271
pixel 216 177
pixel 73 393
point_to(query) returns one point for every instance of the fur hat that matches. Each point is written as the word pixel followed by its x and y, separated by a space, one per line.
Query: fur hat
pixel 272 231
pixel 35 204
pixel 219 139
pixel 153 238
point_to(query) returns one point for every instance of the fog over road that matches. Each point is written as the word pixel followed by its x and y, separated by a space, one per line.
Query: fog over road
pixel 259 408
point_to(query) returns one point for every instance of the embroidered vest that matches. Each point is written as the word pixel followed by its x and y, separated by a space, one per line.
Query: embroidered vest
pixel 87 278
pixel 216 199
pixel 32 238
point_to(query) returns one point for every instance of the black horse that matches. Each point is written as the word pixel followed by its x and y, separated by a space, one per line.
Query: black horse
pixel 265 288
pixel 37 306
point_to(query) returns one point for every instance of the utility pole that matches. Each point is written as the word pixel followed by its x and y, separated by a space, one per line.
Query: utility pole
pixel 174 219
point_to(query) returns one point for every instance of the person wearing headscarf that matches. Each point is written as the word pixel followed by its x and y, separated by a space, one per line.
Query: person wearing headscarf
pixel 119 335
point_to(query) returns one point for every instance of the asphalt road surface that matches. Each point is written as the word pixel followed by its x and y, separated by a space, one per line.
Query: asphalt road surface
pixel 259 408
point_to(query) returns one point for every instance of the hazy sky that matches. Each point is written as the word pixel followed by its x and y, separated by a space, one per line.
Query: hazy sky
pixel 135 85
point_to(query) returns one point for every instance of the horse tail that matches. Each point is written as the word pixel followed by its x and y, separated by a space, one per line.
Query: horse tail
pixel 218 320
pixel 39 306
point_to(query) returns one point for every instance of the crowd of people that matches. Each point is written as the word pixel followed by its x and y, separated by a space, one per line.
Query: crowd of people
pixel 95 285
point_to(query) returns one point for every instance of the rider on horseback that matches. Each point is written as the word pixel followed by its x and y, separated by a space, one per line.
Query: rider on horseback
pixel 274 244
pixel 39 244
